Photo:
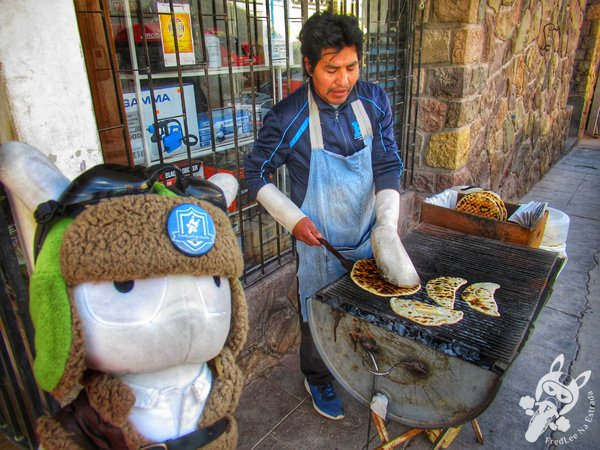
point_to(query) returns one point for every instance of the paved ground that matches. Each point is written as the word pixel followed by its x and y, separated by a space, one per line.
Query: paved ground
pixel 276 413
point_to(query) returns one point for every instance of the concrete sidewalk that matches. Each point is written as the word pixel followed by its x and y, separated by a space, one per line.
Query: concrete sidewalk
pixel 277 413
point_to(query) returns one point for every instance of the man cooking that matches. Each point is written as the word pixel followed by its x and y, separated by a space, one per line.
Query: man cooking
pixel 335 135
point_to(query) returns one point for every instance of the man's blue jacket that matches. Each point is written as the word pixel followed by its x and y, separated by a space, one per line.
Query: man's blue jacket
pixel 284 138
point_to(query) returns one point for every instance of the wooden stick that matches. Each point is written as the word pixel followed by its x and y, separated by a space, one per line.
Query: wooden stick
pixel 380 426
pixel 477 430
pixel 403 438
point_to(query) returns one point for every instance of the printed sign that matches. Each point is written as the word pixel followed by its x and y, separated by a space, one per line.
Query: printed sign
pixel 183 31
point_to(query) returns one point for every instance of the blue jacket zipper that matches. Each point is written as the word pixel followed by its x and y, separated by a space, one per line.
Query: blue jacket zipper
pixel 337 120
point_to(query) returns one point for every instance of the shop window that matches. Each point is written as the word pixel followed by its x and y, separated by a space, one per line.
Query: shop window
pixel 187 82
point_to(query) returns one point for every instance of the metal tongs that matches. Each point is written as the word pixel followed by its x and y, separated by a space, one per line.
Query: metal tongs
pixel 346 263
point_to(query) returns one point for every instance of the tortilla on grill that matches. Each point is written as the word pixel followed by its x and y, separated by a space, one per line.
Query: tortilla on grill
pixel 480 297
pixel 366 276
pixel 423 313
pixel 442 290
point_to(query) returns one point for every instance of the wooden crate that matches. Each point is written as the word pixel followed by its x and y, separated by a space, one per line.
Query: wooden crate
pixel 481 226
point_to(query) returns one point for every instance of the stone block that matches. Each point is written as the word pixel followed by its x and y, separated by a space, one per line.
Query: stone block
pixel 449 150
pixel 536 26
pixel 461 177
pixel 505 24
pixel 494 4
pixel 519 76
pixel 463 112
pixel 423 181
pixel 436 46
pixel 522 38
pixel 468 45
pixel 508 130
pixel 409 212
pixel 432 114
pixel 478 78
pixel 465 11
pixel 445 82
pixel 593 12
pixel 498 49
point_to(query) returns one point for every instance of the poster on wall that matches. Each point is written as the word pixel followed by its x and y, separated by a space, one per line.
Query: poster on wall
pixel 183 26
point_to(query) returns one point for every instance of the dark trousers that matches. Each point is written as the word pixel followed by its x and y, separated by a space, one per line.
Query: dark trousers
pixel 311 363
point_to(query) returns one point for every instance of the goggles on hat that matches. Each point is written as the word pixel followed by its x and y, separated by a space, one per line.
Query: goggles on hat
pixel 112 180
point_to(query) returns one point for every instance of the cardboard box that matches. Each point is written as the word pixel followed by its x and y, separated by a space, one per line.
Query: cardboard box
pixel 223 125
pixel 171 128
pixel 480 226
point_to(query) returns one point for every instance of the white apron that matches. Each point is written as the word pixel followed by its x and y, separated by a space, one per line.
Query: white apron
pixel 340 200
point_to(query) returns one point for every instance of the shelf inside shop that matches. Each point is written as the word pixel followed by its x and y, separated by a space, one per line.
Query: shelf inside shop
pixel 200 72
pixel 208 150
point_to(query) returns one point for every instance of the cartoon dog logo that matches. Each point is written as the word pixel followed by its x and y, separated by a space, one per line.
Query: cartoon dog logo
pixel 553 400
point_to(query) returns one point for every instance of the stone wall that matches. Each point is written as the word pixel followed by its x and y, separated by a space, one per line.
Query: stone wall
pixel 492 106
pixel 585 72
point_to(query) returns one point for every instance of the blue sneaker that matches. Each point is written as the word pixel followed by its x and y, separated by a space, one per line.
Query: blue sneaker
pixel 325 400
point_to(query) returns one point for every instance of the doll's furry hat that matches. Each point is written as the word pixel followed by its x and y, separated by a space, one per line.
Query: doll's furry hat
pixel 117 239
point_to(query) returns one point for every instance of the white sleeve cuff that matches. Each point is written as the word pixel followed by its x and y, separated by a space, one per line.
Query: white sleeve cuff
pixel 387 207
pixel 279 206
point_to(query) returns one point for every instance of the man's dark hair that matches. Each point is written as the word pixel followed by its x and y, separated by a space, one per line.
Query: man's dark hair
pixel 327 30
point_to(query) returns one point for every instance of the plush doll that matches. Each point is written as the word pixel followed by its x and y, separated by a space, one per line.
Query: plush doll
pixel 138 311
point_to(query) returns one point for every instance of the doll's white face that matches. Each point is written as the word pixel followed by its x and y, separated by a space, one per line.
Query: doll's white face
pixel 148 325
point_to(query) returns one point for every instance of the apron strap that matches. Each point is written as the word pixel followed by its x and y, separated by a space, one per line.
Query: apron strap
pixel 363 119
pixel 316 135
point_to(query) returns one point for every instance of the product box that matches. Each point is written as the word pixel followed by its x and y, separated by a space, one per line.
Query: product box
pixel 481 226
pixel 196 169
pixel 170 128
pixel 223 125
pixel 262 104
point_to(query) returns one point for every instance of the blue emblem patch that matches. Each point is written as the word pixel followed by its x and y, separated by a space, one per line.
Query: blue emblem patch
pixel 191 229
pixel 356 127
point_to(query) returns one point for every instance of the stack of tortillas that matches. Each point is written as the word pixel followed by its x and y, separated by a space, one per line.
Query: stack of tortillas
pixel 483 203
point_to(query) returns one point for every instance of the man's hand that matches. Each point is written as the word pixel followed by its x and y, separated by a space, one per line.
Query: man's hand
pixel 306 231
